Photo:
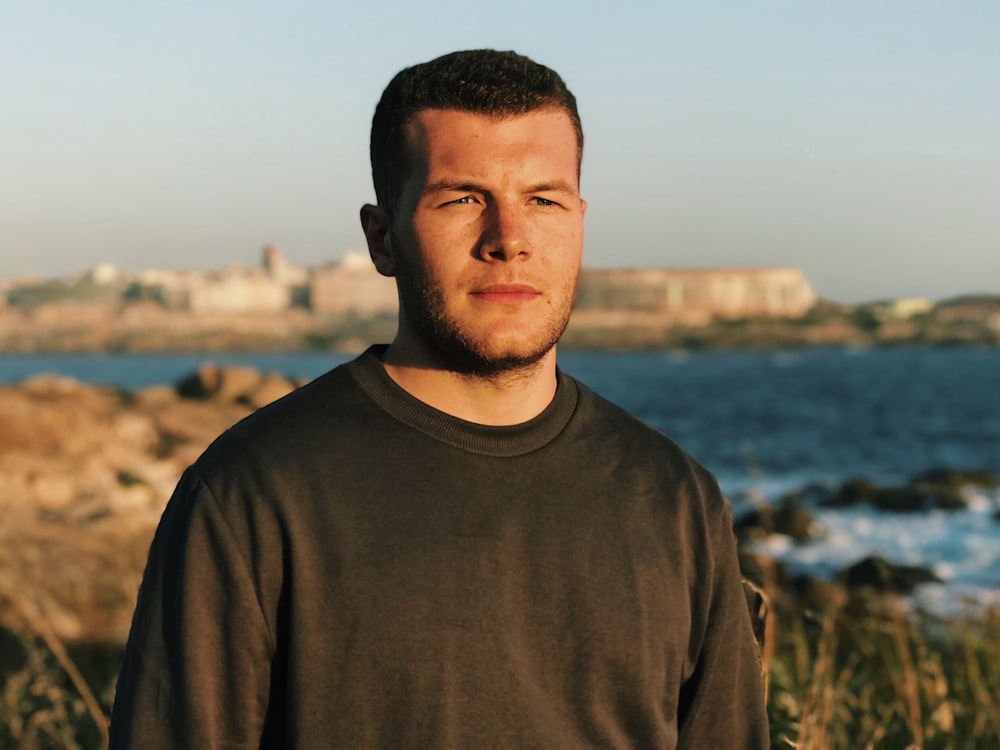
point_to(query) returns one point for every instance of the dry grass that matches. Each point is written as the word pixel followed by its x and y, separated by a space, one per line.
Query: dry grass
pixel 863 674
pixel 866 674
pixel 54 698
pixel 52 695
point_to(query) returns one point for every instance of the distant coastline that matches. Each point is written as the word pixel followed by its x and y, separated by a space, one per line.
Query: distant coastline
pixel 145 326
pixel 346 305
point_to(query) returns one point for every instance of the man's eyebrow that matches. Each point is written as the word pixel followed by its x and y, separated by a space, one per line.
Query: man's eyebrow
pixel 454 186
pixel 559 186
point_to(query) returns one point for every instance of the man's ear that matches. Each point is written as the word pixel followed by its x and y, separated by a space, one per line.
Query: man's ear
pixel 375 224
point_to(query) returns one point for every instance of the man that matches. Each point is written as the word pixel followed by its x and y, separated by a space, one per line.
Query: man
pixel 448 543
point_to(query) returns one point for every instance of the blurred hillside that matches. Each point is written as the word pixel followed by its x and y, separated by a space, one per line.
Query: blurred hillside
pixel 346 305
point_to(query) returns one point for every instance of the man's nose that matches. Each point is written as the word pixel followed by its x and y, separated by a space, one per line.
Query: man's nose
pixel 506 233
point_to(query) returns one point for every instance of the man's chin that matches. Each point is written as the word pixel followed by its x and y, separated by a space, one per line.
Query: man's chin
pixel 495 358
pixel 486 348
pixel 495 363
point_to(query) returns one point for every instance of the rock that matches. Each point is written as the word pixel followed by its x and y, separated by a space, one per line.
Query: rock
pixel 956 478
pixel 878 573
pixel 84 475
pixel 154 396
pixel 200 384
pixel 812 494
pixel 54 491
pixel 917 496
pixel 236 383
pixel 788 516
pixel 947 486
pixel 269 388
pixel 851 492
pixel 902 499
pixel 793 519
pixel 951 499
pixel 136 430
pixel 51 385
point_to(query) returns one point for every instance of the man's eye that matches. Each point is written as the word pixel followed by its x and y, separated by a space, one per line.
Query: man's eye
pixel 462 201
pixel 544 202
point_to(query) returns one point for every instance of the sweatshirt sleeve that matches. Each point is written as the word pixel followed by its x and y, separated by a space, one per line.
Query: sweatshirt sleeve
pixel 722 703
pixel 196 669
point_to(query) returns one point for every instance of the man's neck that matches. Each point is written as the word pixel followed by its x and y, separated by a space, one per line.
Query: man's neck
pixel 505 398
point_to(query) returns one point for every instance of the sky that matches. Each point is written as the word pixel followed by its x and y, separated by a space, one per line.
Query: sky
pixel 857 140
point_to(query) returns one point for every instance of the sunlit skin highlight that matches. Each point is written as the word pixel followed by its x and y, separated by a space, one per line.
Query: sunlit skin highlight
pixel 485 247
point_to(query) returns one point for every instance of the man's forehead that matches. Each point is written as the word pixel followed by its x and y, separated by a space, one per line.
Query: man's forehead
pixel 446 147
pixel 417 125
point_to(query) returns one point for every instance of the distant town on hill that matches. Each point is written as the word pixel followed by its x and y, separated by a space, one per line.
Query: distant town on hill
pixel 346 305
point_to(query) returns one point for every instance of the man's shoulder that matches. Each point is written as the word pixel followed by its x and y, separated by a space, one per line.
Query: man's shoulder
pixel 635 441
pixel 281 429
pixel 607 416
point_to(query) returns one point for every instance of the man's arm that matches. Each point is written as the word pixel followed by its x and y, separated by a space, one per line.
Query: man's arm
pixel 722 704
pixel 196 670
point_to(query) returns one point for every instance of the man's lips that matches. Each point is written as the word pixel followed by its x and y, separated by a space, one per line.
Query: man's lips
pixel 506 293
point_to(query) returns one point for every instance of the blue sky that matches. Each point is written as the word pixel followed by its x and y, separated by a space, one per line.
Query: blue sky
pixel 859 141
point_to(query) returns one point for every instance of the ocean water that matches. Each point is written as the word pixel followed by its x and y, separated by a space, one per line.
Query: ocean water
pixel 764 422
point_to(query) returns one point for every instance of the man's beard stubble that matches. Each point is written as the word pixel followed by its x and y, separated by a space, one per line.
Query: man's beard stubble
pixel 460 351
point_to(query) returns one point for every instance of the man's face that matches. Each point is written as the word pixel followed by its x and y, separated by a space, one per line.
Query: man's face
pixel 488 237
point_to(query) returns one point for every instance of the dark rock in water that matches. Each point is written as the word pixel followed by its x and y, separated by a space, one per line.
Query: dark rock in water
pixel 951 499
pixel 956 478
pixel 851 492
pixel 878 573
pixel 915 497
pixel 812 494
pixel 902 499
pixel 788 516
pixel 793 519
pixel 947 485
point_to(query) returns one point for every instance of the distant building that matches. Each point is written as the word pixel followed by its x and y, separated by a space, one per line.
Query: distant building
pixel 231 291
pixel 352 286
pixel 908 307
pixel 297 279
pixel 680 293
pixel 103 274
pixel 273 287
pixel 274 264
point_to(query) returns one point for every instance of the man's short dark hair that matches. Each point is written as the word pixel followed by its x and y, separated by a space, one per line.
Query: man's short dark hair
pixel 484 81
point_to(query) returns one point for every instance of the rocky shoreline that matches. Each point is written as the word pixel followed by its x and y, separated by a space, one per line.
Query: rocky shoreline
pixel 792 517
pixel 85 472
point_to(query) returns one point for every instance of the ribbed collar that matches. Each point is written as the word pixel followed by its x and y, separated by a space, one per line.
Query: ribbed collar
pixel 487 440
